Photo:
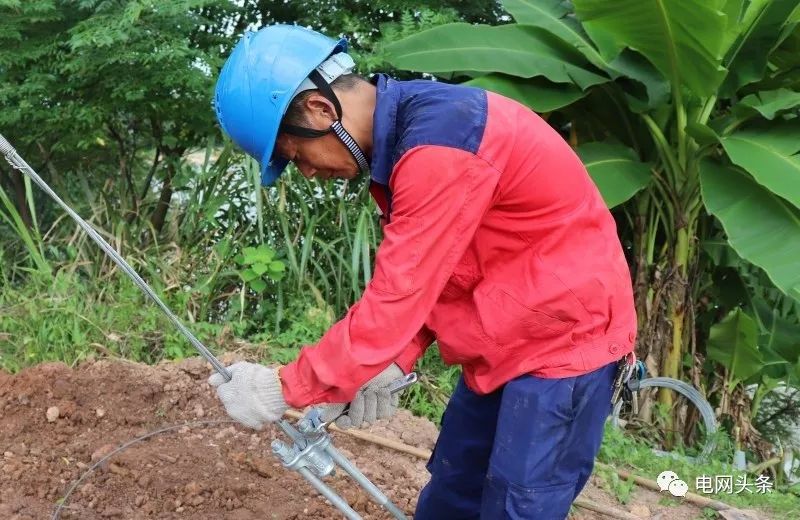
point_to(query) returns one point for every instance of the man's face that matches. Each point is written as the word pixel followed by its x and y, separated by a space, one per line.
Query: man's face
pixel 323 157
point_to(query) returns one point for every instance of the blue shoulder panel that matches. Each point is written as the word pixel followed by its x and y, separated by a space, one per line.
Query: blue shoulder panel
pixel 421 112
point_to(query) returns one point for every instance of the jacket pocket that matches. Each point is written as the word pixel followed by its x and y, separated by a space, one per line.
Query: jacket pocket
pixel 507 321
pixel 505 500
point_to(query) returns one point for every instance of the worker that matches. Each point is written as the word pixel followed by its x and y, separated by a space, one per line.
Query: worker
pixel 497 245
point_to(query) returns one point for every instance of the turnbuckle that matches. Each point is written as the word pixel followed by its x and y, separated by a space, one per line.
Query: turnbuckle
pixel 313 455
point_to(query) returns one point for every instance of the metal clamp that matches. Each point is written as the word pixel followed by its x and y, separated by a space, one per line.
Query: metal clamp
pixel 313 455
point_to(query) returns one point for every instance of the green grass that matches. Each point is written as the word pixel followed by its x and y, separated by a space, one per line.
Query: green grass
pixel 60 319
pixel 625 452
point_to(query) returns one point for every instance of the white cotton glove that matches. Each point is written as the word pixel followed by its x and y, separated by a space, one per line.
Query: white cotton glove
pixel 372 402
pixel 253 396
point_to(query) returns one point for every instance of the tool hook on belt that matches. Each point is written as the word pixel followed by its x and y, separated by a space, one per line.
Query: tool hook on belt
pixel 629 374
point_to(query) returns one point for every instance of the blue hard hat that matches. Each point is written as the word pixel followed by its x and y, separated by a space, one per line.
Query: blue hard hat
pixel 257 84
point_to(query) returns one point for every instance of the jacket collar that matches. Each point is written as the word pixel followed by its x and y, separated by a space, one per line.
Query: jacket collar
pixel 384 128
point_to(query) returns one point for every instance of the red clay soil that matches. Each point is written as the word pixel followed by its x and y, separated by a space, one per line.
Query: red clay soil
pixel 57 421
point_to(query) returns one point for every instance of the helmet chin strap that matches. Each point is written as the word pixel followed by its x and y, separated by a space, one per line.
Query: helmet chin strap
pixel 351 145
pixel 337 128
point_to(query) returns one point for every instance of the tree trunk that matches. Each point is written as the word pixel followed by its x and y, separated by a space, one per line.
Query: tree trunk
pixel 128 173
pixel 641 281
pixel 651 287
pixel 677 304
pixel 160 213
pixel 150 174
pixel 677 291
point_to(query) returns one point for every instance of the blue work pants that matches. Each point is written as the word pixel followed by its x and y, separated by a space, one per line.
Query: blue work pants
pixel 524 451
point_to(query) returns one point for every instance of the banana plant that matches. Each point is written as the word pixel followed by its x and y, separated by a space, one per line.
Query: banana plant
pixel 685 111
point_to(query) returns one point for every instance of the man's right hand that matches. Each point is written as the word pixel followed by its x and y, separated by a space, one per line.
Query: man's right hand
pixel 372 402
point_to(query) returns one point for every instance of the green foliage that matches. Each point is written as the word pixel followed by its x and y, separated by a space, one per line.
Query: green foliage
pixel 540 95
pixel 615 169
pixel 513 49
pixel 778 413
pixel 626 452
pixel 97 86
pixel 554 17
pixel 684 40
pixel 769 24
pixel 437 381
pixel 374 56
pixel 28 235
pixel 307 325
pixel 367 25
pixel 61 318
pixel 734 344
pixel 258 266
pixel 616 485
pixel 769 103
pixel 770 154
pixel 328 233
pixel 761 226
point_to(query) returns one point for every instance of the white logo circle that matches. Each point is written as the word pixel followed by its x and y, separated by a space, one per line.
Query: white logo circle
pixel 665 478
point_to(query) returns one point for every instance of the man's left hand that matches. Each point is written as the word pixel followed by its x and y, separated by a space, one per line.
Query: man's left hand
pixel 372 402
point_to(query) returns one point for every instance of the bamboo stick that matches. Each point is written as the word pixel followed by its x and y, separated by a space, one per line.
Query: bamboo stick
pixel 694 498
pixel 589 505
pixel 425 455
pixel 375 439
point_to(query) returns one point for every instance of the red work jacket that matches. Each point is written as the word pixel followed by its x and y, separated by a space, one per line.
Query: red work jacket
pixel 498 245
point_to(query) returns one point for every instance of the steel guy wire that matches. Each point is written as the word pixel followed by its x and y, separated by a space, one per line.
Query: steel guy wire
pixel 18 163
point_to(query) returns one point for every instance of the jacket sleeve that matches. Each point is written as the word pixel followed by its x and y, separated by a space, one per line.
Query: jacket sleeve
pixel 440 195
pixel 415 349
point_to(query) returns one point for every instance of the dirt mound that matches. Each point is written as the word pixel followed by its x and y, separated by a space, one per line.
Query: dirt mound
pixel 57 421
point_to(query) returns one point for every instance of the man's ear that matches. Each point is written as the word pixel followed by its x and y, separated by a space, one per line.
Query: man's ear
pixel 320 108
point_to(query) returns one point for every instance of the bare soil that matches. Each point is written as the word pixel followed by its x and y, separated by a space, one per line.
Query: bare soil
pixel 57 421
